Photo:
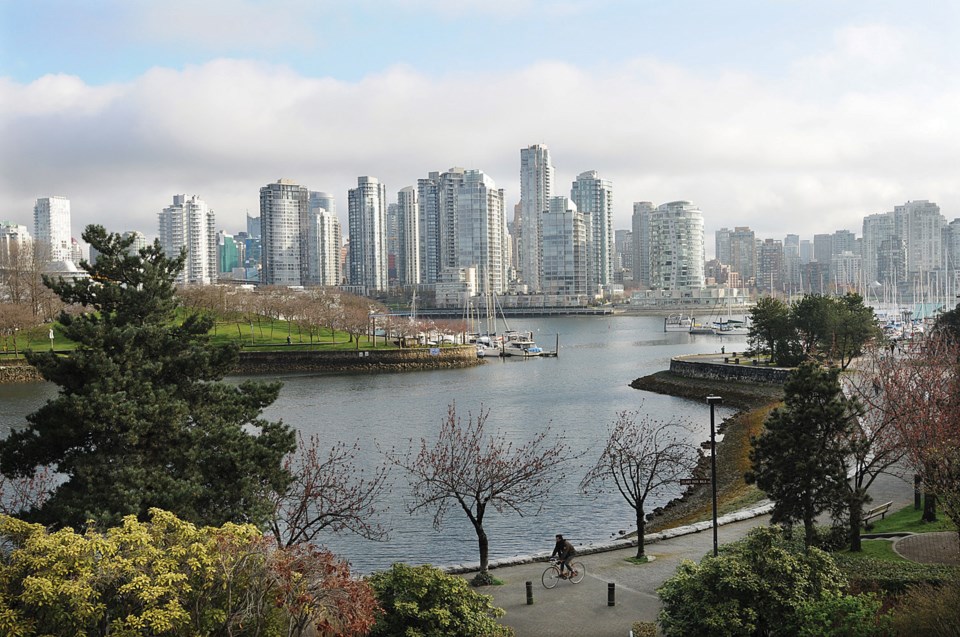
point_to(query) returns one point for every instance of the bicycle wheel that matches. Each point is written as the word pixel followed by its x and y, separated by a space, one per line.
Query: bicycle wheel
pixel 579 571
pixel 550 577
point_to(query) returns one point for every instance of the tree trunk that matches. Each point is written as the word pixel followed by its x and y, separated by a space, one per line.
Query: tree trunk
pixel 857 500
pixel 641 526
pixel 929 507
pixel 484 547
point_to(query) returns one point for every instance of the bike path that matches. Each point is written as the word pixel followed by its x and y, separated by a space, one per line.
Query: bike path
pixel 582 609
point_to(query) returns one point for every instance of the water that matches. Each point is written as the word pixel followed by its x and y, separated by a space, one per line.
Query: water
pixel 577 394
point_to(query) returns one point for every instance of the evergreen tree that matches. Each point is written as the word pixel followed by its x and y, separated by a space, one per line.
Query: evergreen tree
pixel 140 420
pixel 800 459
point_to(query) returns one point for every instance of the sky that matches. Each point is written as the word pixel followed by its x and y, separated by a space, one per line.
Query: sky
pixel 785 116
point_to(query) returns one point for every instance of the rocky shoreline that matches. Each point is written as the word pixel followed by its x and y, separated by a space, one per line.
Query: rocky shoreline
pixel 753 401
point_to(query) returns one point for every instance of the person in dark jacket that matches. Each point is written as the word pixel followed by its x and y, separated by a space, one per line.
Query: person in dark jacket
pixel 565 551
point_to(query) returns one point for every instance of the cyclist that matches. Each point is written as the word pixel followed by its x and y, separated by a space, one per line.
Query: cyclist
pixel 565 551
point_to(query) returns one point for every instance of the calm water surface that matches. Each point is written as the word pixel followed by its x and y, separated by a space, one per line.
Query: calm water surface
pixel 577 394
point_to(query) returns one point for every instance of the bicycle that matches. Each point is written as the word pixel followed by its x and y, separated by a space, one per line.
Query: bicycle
pixel 552 574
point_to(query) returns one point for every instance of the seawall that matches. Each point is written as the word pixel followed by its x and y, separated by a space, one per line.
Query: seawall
pixel 727 368
pixel 313 362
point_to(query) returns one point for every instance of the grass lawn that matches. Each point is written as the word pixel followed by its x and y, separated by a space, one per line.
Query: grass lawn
pixel 876 550
pixel 907 520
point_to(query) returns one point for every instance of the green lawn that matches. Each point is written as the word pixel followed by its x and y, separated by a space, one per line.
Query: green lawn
pixel 907 520
pixel 877 550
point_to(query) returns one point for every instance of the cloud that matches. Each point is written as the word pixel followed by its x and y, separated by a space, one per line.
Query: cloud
pixel 802 153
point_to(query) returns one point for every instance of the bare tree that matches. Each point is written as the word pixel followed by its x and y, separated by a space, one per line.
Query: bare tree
pixel 328 492
pixel 642 458
pixel 467 468
pixel 22 494
pixel 14 317
pixel 877 446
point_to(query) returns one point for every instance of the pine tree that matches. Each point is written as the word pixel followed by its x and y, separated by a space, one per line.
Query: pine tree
pixel 800 460
pixel 141 420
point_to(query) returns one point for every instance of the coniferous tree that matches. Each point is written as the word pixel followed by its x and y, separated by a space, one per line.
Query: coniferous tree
pixel 800 459
pixel 140 420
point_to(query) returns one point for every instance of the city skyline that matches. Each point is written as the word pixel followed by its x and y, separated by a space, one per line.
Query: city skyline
pixel 785 117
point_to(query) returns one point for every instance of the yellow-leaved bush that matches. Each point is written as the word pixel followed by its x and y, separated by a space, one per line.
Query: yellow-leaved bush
pixel 169 577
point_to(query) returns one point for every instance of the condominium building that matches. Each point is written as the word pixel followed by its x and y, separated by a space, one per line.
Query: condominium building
pixel 437 222
pixel 876 229
pixel 324 240
pixel 15 248
pixel 189 224
pixel 594 199
pixel 51 229
pixel 481 237
pixel 564 246
pixel 743 254
pixel 920 225
pixel 770 266
pixel 642 211
pixel 368 235
pixel 536 188
pixel 676 247
pixel 284 228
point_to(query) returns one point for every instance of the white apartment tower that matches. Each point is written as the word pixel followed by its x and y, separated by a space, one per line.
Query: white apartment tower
pixel 676 247
pixel 323 241
pixel 51 228
pixel 481 231
pixel 536 187
pixel 368 259
pixel 437 212
pixel 564 245
pixel 284 232
pixel 408 237
pixel 594 199
pixel 189 224
pixel 15 247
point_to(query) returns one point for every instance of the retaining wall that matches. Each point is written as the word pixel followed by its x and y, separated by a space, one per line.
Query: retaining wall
pixel 357 361
pixel 715 368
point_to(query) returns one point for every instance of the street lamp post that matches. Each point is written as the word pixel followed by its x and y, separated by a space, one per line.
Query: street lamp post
pixel 712 401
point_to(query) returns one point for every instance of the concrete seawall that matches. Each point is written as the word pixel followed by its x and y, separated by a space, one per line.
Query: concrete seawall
pixel 713 367
pixel 338 362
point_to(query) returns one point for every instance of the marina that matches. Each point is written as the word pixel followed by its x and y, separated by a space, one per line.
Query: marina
pixel 577 394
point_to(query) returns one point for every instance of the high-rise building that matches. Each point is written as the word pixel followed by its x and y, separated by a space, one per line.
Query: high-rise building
pixel 642 211
pixel 876 229
pixel 284 228
pixel 190 223
pixel 743 254
pixel 481 231
pixel 322 241
pixel 51 229
pixel 253 227
pixel 15 250
pixel 536 188
pixel 564 245
pixel 594 199
pixel 229 251
pixel 408 237
pixel 770 266
pixel 919 225
pixel 437 219
pixel 792 273
pixel 622 255
pixel 676 247
pixel 368 235
pixel 722 250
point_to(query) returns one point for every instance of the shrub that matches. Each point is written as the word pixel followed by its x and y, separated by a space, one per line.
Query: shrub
pixel 762 585
pixel 423 601
pixel 932 611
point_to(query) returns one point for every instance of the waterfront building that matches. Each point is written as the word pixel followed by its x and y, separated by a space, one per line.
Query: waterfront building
pixel 253 227
pixel 437 219
pixel 189 223
pixel 722 245
pixel 676 247
pixel 791 263
pixel 284 220
pixel 368 265
pixel 920 225
pixel 623 255
pixel 743 254
pixel 16 252
pixel 408 237
pixel 846 270
pixel 594 199
pixel 480 230
pixel 806 251
pixel 565 253
pixel 51 229
pixel 770 266
pixel 877 228
pixel 640 222
pixel 324 238
pixel 536 188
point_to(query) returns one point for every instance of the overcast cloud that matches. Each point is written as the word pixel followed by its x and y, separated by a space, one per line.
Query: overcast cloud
pixel 862 123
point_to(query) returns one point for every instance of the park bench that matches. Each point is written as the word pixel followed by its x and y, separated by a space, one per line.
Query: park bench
pixel 878 511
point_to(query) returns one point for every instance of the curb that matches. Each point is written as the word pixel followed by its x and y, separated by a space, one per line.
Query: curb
pixel 615 545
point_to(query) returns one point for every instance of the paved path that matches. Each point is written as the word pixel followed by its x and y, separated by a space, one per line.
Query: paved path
pixel 930 548
pixel 581 609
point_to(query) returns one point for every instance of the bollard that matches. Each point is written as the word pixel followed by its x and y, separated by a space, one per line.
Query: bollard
pixel 529 593
pixel 611 594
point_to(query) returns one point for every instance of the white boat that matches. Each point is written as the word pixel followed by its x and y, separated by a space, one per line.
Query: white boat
pixel 520 344
pixel 731 327
pixel 678 323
